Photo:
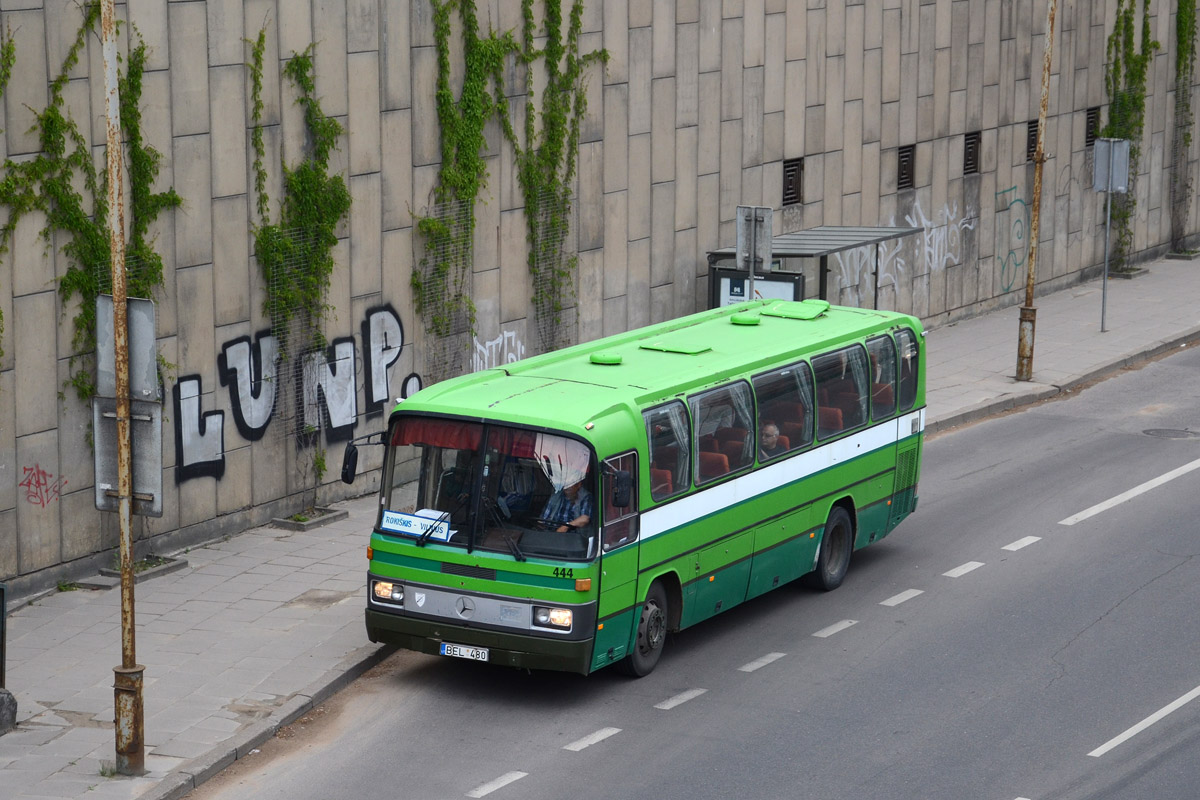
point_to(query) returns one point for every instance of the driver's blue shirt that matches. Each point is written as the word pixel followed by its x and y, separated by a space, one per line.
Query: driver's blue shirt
pixel 562 509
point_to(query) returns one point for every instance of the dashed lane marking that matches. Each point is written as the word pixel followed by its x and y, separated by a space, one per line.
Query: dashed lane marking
pixel 591 739
pixel 836 627
pixel 759 663
pixel 959 571
pixel 897 599
pixel 1019 543
pixel 682 697
pixel 499 783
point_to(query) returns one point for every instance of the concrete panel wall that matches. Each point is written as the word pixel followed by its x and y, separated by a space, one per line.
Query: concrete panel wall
pixel 694 114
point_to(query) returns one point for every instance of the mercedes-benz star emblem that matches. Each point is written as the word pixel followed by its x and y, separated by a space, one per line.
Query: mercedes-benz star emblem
pixel 465 607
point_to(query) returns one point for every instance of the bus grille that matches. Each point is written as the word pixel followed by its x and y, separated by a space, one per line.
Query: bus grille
pixel 468 571
pixel 906 468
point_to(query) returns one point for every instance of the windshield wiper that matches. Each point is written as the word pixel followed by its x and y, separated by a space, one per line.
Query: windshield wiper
pixel 512 546
pixel 424 537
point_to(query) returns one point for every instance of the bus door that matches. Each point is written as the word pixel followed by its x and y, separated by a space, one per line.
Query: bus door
pixel 619 557
pixel 908 451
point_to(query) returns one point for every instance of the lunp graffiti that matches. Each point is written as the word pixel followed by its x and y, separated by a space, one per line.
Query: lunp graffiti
pixel 41 488
pixel 326 384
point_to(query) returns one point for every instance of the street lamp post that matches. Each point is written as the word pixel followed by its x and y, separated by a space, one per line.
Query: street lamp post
pixel 1028 312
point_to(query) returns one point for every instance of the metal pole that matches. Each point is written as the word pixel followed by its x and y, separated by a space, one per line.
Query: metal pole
pixel 1028 321
pixel 752 248
pixel 127 678
pixel 1107 225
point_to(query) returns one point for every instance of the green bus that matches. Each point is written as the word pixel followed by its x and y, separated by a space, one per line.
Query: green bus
pixel 573 508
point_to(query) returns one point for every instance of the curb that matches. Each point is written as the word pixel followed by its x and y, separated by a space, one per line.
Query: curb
pixel 178 783
pixel 990 408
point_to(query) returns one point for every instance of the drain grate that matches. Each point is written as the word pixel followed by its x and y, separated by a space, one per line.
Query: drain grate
pixel 1171 433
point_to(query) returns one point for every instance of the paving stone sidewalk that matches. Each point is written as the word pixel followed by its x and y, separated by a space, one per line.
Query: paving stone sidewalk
pixel 259 628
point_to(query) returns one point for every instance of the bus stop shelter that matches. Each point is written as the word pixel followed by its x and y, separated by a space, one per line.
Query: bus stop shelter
pixel 817 243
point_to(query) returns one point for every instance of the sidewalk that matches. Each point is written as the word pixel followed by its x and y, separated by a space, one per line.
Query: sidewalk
pixel 258 629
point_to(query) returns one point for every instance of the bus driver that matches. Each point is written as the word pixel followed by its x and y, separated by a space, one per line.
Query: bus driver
pixel 570 507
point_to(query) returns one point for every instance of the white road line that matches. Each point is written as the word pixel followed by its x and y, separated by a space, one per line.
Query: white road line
pixel 682 697
pixel 591 739
pixel 1019 543
pixel 759 663
pixel 1146 723
pixel 897 599
pixel 1132 493
pixel 825 633
pixel 959 571
pixel 499 783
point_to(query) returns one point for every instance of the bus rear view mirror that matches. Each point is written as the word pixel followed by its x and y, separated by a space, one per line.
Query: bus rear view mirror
pixel 349 463
pixel 622 488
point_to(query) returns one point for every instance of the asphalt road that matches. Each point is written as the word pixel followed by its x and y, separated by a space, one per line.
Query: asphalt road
pixel 983 650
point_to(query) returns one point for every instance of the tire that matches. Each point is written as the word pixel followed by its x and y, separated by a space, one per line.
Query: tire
pixel 651 634
pixel 833 561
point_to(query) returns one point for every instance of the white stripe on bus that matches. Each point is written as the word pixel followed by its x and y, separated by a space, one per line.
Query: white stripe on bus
pixel 768 478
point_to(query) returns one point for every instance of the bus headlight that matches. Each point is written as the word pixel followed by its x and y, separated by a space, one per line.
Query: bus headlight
pixel 388 592
pixel 552 617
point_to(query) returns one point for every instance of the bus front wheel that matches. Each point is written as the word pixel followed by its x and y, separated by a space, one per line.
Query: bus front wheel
pixel 651 634
pixel 834 559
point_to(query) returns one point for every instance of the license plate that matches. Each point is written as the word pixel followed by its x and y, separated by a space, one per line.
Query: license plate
pixel 462 651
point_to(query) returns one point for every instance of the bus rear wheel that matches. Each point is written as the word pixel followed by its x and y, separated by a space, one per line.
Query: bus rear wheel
pixel 651 634
pixel 833 562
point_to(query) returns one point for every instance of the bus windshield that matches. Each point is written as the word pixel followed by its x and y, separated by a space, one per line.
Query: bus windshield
pixel 505 489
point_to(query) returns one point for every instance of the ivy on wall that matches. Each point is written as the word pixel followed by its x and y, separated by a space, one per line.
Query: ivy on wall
pixel 545 159
pixel 1125 82
pixel 296 253
pixel 47 183
pixel 1185 73
pixel 8 57
pixel 546 164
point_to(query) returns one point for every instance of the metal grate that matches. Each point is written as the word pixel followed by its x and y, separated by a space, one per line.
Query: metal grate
pixel 971 153
pixel 1093 126
pixel 906 167
pixel 468 571
pixel 1031 139
pixel 793 181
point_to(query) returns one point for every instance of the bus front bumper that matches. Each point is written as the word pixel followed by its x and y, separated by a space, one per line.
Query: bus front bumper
pixel 508 649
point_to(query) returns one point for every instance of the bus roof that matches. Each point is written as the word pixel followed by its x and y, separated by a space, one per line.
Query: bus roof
pixel 567 388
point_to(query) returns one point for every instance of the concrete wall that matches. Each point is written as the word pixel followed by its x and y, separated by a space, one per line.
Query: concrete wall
pixel 694 114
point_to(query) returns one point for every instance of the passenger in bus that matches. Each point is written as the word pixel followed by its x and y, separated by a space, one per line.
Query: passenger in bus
pixel 570 508
pixel 769 445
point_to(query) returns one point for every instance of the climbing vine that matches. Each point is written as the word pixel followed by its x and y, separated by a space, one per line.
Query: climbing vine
pixel 296 253
pixel 8 57
pixel 1185 73
pixel 1125 82
pixel 47 183
pixel 546 164
pixel 439 285
pixel 545 161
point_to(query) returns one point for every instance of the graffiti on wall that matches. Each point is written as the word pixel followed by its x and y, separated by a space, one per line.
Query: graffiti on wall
pixel 41 487
pixel 326 384
pixel 1018 230
pixel 504 349
pixel 941 247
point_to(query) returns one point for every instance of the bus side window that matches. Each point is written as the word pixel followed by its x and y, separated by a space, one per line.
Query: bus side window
pixel 620 521
pixel 785 400
pixel 669 436
pixel 906 342
pixel 883 376
pixel 724 426
pixel 842 380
